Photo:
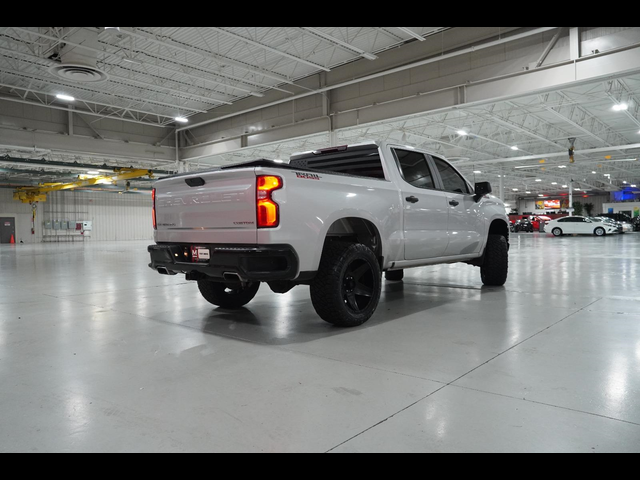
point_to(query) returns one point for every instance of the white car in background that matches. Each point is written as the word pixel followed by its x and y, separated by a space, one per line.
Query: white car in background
pixel 580 226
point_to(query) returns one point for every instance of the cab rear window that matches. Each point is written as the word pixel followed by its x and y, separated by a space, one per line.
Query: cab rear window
pixel 356 161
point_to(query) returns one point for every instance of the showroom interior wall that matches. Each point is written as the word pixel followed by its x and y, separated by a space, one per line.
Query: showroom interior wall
pixel 529 205
pixel 115 217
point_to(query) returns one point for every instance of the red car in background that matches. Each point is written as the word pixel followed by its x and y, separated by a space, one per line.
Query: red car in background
pixel 536 224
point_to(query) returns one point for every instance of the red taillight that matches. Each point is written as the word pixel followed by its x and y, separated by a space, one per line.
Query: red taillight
pixel 268 210
pixel 155 221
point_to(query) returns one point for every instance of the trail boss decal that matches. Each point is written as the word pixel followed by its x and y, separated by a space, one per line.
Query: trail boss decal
pixel 308 176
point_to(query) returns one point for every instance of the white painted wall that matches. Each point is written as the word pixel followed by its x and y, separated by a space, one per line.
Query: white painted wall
pixel 115 217
pixel 632 207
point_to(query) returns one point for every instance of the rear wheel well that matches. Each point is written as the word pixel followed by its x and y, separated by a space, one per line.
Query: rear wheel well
pixel 357 230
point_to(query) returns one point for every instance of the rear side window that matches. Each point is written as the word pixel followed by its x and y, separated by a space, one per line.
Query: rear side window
pixel 451 179
pixel 358 161
pixel 415 169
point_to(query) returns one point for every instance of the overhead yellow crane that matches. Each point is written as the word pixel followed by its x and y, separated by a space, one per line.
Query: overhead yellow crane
pixel 39 193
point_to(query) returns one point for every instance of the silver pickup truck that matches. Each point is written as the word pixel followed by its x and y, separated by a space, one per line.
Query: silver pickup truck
pixel 334 219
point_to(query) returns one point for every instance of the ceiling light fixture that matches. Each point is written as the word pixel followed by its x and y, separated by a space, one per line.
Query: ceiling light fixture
pixel 515 149
pixel 621 107
pixel 93 173
pixel 181 119
pixel 554 183
pixel 562 166
pixel 478 172
pixel 65 98
pixel 538 180
pixel 462 133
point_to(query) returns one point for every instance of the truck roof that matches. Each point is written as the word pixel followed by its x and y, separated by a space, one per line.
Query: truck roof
pixel 378 143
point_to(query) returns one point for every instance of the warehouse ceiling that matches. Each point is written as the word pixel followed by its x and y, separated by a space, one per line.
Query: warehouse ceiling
pixel 156 74
pixel 151 75
pixel 484 139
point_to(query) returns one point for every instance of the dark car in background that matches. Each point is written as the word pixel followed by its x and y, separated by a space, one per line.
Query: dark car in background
pixel 524 225
pixel 636 224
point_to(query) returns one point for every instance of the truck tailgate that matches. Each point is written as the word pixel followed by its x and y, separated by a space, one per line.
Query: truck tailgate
pixel 207 208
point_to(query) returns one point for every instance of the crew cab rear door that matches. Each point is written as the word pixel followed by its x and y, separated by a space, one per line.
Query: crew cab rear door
pixel 426 214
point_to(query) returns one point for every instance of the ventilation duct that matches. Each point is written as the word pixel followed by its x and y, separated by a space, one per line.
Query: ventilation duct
pixel 80 64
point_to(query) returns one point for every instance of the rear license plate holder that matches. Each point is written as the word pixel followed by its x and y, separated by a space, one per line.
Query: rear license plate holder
pixel 200 255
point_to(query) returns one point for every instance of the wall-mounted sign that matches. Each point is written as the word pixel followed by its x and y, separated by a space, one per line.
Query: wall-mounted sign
pixel 549 205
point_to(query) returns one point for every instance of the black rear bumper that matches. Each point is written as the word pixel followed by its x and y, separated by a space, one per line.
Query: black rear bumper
pixel 250 263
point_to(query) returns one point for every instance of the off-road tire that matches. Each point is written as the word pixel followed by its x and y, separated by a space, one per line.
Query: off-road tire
pixel 495 270
pixel 345 270
pixel 230 297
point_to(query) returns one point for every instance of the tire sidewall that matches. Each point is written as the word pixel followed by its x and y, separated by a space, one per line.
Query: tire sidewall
pixel 327 289
pixel 354 254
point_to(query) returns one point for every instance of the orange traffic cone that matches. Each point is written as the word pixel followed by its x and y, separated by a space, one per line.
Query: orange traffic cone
pixel 13 240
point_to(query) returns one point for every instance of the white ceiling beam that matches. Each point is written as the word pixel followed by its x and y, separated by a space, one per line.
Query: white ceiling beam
pixel 86 89
pixel 169 45
pixel 267 48
pixel 107 53
pixel 87 102
pixel 635 146
pixel 341 43
pixel 411 33
pixel 83 112
pixel 208 56
pixel 391 71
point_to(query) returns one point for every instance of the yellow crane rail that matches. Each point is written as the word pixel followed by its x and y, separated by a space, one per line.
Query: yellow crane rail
pixel 39 193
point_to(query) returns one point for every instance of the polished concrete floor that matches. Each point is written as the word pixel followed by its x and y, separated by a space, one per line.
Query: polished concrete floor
pixel 98 353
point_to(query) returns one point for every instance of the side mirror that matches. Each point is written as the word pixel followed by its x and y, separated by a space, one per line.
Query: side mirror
pixel 482 189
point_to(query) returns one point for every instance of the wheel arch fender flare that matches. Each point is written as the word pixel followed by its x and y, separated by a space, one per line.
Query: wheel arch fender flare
pixel 358 223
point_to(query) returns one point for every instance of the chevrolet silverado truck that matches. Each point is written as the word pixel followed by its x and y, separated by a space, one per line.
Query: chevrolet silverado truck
pixel 334 219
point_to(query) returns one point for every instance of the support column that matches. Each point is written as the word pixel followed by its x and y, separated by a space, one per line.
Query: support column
pixel 502 184
pixel 326 111
pixel 70 121
pixel 181 166
pixel 571 198
pixel 575 45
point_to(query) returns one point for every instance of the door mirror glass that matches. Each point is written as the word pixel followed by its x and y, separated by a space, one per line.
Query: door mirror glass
pixel 483 189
